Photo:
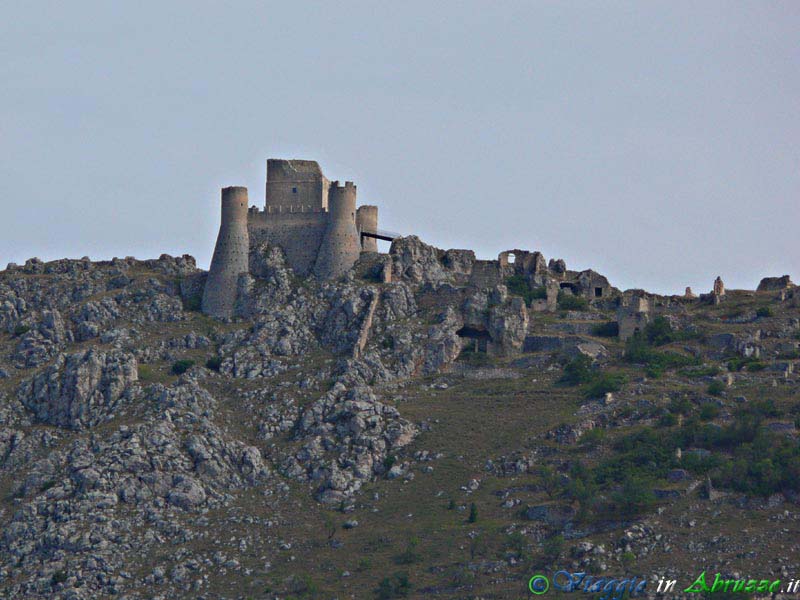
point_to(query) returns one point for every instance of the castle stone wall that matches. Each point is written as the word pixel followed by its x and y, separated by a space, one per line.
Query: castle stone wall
pixel 298 234
pixel 486 274
pixel 231 255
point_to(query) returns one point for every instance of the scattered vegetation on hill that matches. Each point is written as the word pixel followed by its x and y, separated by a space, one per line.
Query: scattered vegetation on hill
pixel 641 348
pixel 179 367
pixel 520 286
pixel 569 302
pixel 596 383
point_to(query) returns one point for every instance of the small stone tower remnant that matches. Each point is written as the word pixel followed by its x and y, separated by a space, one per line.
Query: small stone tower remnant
pixel 718 291
pixel 633 315
pixel 367 220
pixel 719 287
pixel 340 245
pixel 231 255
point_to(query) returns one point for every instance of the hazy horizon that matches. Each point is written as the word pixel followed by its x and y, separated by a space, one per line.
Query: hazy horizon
pixel 657 144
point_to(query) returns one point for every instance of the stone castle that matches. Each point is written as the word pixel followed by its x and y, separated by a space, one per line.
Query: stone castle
pixel 315 222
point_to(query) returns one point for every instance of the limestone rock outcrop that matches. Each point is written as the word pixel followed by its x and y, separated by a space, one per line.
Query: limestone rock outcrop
pixel 771 284
pixel 80 390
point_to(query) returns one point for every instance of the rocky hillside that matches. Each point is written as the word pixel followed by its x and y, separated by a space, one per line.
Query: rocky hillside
pixel 401 432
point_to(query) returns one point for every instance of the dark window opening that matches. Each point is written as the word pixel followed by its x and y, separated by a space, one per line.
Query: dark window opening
pixel 598 292
pixel 294 190
pixel 473 333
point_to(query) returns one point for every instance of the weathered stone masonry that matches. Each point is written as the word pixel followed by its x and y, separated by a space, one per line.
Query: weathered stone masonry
pixel 315 223
pixel 231 254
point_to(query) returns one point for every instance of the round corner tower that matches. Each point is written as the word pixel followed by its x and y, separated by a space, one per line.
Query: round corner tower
pixel 340 247
pixel 231 255
pixel 367 220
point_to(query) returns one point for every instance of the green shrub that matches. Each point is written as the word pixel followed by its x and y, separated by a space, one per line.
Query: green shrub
pixel 682 406
pixel 577 371
pixel 551 480
pixel 59 576
pixel 396 586
pixel 700 464
pixel 608 329
pixel 699 372
pixel 552 547
pixel 764 311
pixel 761 408
pixel 715 388
pixel 214 363
pixel 709 411
pixel 737 363
pixel 593 437
pixel 47 485
pixel 668 420
pixel 473 513
pixel 303 586
pixel 409 555
pixel 21 330
pixel 743 430
pixel 193 303
pixel 364 564
pixel 639 350
pixel 763 466
pixel 570 302
pixel 634 498
pixel 519 285
pixel 659 332
pixel 516 542
pixel 756 365
pixel 146 373
pixel 603 383
pixel 643 454
pixel 179 367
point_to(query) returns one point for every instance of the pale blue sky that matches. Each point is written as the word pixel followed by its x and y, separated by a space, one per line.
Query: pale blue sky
pixel 656 142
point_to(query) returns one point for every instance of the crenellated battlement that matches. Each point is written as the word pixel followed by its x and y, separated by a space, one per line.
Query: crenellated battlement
pixel 279 211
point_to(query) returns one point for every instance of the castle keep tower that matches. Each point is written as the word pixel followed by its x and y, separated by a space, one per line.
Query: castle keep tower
pixel 295 186
pixel 231 255
pixel 340 245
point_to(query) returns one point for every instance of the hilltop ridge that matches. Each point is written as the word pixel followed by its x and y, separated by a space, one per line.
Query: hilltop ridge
pixel 331 437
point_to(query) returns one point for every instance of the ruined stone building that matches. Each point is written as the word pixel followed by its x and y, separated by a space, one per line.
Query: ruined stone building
pixel 313 220
pixel 633 314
